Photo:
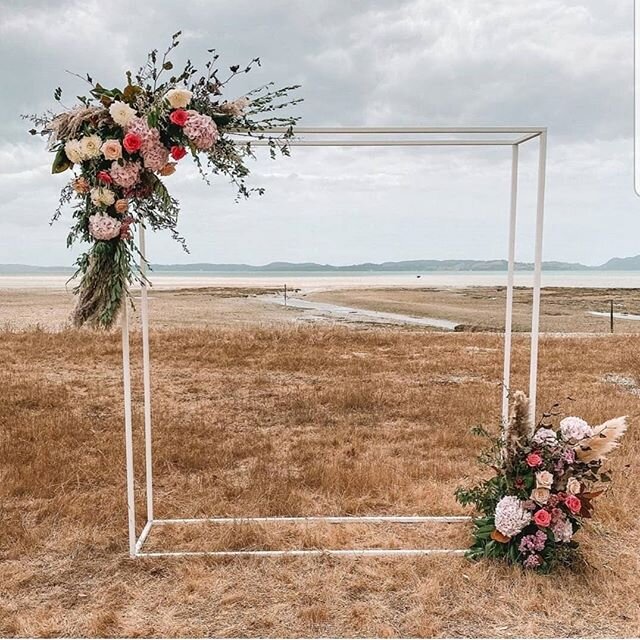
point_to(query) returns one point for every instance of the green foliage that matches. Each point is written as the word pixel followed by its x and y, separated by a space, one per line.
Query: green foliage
pixel 60 162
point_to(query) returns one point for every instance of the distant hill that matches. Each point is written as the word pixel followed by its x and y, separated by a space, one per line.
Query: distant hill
pixel 622 264
pixel 21 269
pixel 411 266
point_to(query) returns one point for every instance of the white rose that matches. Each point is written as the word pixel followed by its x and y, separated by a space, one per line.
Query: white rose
pixel 541 495
pixel 573 486
pixel 178 98
pixel 236 107
pixel 101 196
pixel 90 146
pixel 544 479
pixel 121 113
pixel 73 151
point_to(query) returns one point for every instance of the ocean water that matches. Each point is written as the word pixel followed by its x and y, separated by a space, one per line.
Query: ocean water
pixel 311 280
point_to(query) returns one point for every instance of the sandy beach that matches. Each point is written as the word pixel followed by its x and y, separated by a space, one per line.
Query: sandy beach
pixel 191 302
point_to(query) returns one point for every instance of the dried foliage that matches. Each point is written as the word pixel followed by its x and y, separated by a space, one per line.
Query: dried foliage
pixel 605 439
pixel 518 429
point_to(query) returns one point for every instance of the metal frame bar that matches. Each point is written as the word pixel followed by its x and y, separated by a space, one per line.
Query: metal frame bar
pixel 508 321
pixel 524 134
pixel 304 552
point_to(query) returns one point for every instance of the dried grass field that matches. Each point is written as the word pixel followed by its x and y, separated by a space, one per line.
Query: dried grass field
pixel 281 419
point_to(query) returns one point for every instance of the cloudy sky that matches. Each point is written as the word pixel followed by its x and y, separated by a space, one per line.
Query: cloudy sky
pixel 564 64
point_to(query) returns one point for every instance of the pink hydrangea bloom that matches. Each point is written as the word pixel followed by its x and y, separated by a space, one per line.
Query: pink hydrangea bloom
pixel 103 227
pixel 201 130
pixel 532 562
pixel 126 175
pixel 155 155
pixel 139 126
pixel 562 530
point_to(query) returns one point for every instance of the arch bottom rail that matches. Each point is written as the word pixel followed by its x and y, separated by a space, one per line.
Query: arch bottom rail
pixel 317 552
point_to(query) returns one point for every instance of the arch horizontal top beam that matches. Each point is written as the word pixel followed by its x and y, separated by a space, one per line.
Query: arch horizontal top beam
pixel 390 143
pixel 365 130
pixel 504 136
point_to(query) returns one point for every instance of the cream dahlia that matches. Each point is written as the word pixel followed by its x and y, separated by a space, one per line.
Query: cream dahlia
pixel 73 151
pixel 101 196
pixel 90 146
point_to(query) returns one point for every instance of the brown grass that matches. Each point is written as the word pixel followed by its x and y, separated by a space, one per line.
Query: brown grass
pixel 291 421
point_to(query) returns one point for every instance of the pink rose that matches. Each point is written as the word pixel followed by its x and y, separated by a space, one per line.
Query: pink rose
pixel 177 153
pixel 179 117
pixel 111 150
pixel 105 177
pixel 573 503
pixel 132 142
pixel 534 460
pixel 542 518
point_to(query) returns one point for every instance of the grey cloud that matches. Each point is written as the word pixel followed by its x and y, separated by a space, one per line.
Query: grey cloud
pixel 566 64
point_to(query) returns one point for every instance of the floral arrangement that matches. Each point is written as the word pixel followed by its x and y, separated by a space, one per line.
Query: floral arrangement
pixel 544 483
pixel 120 143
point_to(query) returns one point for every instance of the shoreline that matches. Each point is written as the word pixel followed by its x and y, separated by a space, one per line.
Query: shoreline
pixel 330 281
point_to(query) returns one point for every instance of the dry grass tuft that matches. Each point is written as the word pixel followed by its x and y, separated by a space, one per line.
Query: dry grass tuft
pixel 291 421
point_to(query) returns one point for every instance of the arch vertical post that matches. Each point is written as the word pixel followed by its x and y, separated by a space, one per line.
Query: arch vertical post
pixel 508 320
pixel 537 274
pixel 128 430
pixel 146 374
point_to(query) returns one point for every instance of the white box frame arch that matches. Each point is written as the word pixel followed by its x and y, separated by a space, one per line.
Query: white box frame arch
pixel 512 137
